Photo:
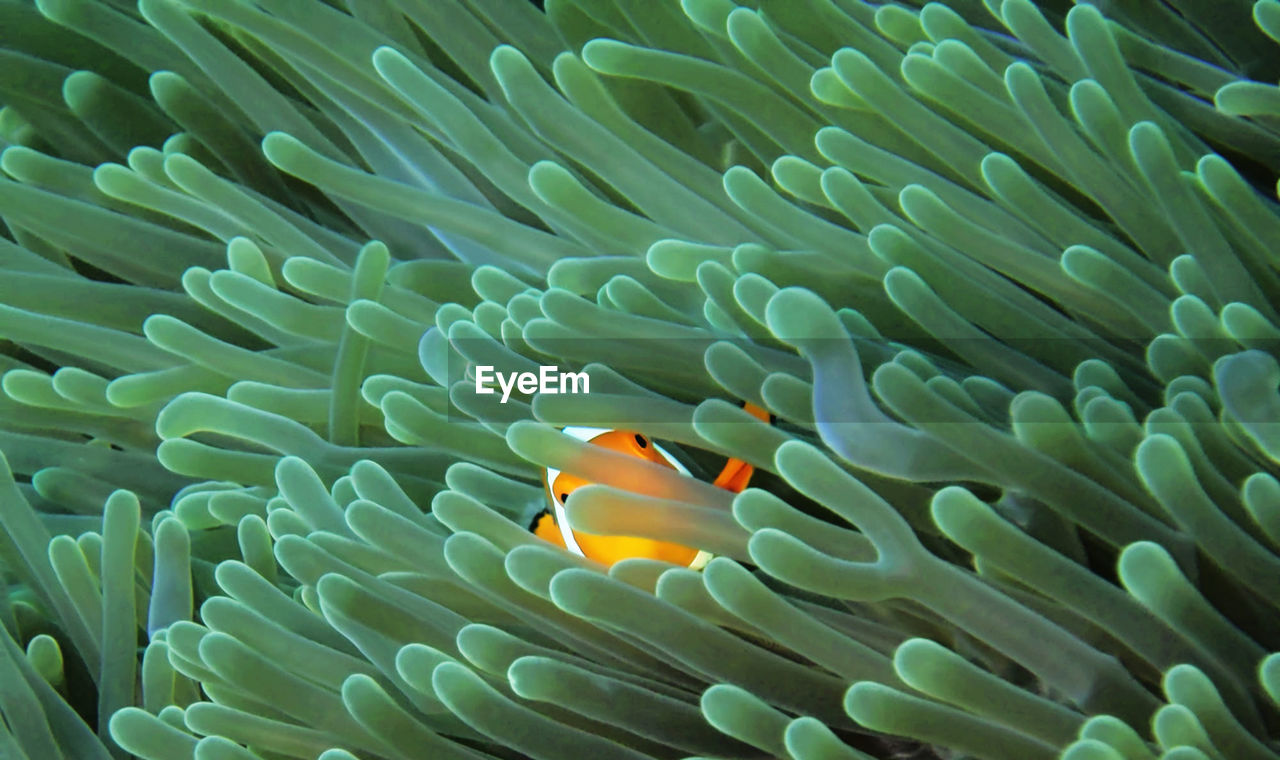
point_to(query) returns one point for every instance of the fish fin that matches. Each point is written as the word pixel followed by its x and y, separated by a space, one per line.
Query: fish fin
pixel 544 527
pixel 757 412
pixel 735 475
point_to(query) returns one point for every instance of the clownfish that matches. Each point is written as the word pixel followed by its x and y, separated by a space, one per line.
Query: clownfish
pixel 552 524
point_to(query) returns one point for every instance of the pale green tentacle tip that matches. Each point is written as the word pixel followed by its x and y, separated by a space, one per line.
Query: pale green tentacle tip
pixel 605 55
pixel 810 739
pixel 1145 564
pixel 244 256
pixel 1186 684
pixel 1246 383
pixel 1247 99
pixel 1118 735
pixel 185 171
pixel 284 150
pixel 679 259
pixel 956 511
pixel 1260 494
pixel 868 703
pixel 45 657
pixel 1269 676
pixel 60 11
pixel 12 156
pixel 1266 14
pixel 709 14
pixel 796 315
pixel 1176 726
pixel 1162 462
pixel 506 60
pixel 736 712
pixel 165 83
pixel 1144 136
pixel 146 735
pixel 385 58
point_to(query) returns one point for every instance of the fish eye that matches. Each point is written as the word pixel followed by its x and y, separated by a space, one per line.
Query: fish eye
pixel 642 441
pixel 564 496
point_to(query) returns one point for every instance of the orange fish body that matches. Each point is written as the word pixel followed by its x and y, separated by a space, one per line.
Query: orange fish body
pixel 551 524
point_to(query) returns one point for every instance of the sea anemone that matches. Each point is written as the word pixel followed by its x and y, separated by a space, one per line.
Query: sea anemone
pixel 1004 274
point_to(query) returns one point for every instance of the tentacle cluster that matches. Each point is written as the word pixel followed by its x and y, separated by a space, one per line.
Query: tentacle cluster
pixel 1005 274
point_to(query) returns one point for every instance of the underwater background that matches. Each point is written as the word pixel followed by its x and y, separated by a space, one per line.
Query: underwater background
pixel 1004 273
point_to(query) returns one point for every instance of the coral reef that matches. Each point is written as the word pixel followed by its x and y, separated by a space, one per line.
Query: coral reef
pixel 1004 272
